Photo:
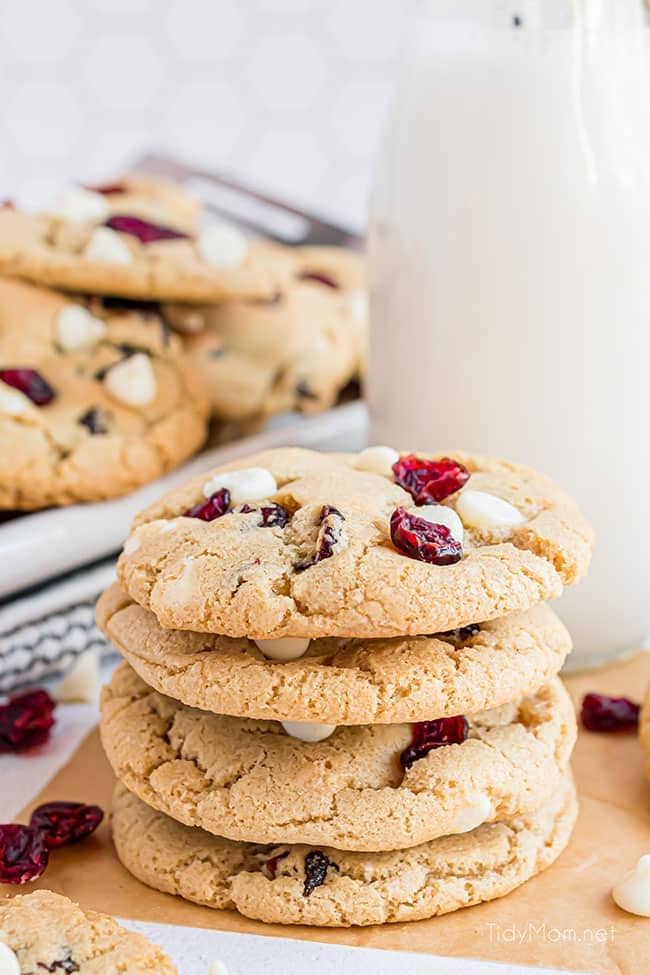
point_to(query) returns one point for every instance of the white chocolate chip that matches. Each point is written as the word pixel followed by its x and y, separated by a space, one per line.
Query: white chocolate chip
pixel 472 816
pixel 357 302
pixel 8 961
pixel 288 648
pixel 632 893
pixel 218 968
pixel 76 328
pixel 12 401
pixel 222 245
pixel 77 203
pixel 247 484
pixel 159 526
pixel 309 731
pixel 480 510
pixel 106 245
pixel 132 380
pixel 82 682
pixel 377 460
pixel 440 514
pixel 132 544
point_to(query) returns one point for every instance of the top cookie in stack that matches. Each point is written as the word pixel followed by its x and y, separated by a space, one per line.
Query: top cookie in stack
pixel 348 652
pixel 374 545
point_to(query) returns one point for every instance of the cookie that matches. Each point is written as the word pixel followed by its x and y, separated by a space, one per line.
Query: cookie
pixel 644 730
pixel 51 933
pixel 304 544
pixel 367 787
pixel 96 398
pixel 341 681
pixel 294 351
pixel 136 240
pixel 325 887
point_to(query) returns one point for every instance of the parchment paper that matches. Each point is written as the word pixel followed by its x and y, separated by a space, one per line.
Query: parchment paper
pixel 564 918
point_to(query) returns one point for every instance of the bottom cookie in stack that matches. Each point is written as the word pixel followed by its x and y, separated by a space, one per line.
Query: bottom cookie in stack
pixel 321 886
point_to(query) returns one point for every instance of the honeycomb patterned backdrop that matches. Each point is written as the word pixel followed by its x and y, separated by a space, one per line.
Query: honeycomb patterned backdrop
pixel 290 95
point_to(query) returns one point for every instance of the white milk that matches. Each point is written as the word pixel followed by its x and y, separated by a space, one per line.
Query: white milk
pixel 510 246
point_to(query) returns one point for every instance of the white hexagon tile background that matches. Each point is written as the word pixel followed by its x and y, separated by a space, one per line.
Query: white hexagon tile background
pixel 290 95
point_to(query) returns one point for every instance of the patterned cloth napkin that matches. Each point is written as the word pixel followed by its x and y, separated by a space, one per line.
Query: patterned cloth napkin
pixel 43 632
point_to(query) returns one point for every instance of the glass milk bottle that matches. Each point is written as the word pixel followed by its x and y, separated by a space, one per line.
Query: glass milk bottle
pixel 510 267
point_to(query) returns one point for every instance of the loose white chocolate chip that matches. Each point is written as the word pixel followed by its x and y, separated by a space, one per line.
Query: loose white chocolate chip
pixel 377 460
pixel 248 484
pixel 8 961
pixel 632 893
pixel 480 510
pixel 440 514
pixel 132 380
pixel 218 968
pixel 77 203
pixel 12 401
pixel 76 328
pixel 106 245
pixel 288 648
pixel 82 682
pixel 472 816
pixel 223 245
pixel 309 731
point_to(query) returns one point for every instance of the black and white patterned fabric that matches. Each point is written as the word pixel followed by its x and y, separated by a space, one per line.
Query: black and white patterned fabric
pixel 44 632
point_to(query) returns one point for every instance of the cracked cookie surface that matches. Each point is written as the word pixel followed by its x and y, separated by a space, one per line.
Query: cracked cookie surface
pixel 90 440
pixel 250 780
pixel 340 681
pixel 233 577
pixel 358 888
pixel 294 351
pixel 49 932
pixel 50 248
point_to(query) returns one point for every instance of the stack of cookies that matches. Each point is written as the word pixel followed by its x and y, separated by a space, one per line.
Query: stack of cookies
pixel 97 395
pixel 339 703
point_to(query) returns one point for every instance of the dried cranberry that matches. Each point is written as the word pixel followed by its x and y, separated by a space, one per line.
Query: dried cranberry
pixel 145 231
pixel 94 420
pixel 329 535
pixel 429 481
pixel 31 383
pixel 427 735
pixel 107 189
pixel 66 965
pixel 316 867
pixel 26 721
pixel 424 540
pixel 603 713
pixel 318 277
pixel 214 507
pixel 462 633
pixel 270 866
pixel 65 822
pixel 23 854
pixel 272 515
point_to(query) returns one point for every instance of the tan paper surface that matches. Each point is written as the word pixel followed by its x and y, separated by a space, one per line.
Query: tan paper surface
pixel 529 926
